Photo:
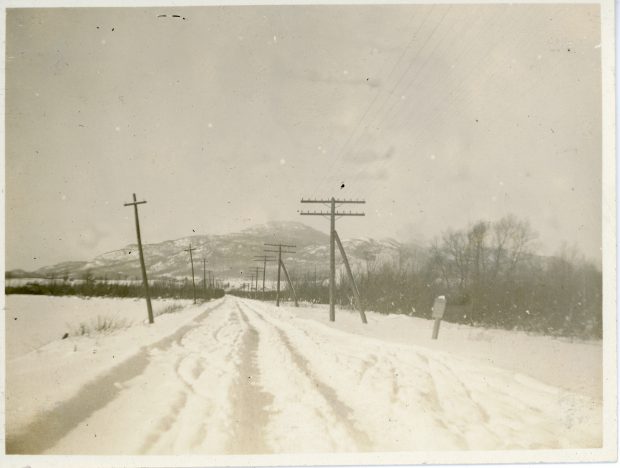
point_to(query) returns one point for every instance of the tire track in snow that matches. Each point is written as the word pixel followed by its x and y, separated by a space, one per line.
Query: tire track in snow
pixel 399 407
pixel 341 410
pixel 428 399
pixel 51 426
pixel 250 415
pixel 194 350
pixel 164 423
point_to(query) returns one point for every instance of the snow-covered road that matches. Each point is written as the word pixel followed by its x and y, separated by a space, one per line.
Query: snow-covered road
pixel 247 377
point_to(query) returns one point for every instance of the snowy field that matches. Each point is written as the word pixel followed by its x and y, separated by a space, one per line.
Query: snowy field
pixel 240 376
pixel 33 321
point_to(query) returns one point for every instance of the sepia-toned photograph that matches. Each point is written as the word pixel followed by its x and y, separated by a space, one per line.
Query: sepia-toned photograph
pixel 309 234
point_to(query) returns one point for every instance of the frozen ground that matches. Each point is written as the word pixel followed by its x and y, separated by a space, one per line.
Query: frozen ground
pixel 241 376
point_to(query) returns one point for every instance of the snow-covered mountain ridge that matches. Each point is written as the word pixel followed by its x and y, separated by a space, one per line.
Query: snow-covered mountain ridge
pixel 228 255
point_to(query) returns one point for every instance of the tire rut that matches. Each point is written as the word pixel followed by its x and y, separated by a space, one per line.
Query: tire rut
pixel 250 402
pixel 342 411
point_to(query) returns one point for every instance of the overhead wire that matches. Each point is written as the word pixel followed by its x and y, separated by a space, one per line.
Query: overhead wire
pixel 415 109
pixel 339 153
pixel 402 76
pixel 459 94
pixel 377 124
pixel 385 117
pixel 462 86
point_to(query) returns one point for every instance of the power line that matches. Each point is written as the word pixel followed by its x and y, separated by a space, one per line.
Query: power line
pixel 340 152
pixel 476 67
pixel 416 76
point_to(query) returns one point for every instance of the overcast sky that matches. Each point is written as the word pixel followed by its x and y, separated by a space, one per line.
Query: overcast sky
pixel 225 117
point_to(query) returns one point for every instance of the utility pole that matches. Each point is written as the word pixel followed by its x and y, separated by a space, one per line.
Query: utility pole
pixel 265 259
pixel 333 237
pixel 255 281
pixel 281 265
pixel 204 276
pixel 192 262
pixel 251 284
pixel 145 280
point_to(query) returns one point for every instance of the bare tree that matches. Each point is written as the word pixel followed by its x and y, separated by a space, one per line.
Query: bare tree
pixel 477 248
pixel 513 239
pixel 456 249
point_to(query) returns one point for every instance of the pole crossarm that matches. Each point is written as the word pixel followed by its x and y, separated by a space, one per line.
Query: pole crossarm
pixel 135 203
pixel 327 213
pixel 281 245
pixel 307 200
pixel 284 251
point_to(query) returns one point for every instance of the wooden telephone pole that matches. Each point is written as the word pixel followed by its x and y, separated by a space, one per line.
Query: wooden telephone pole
pixel 204 276
pixel 281 266
pixel 264 259
pixel 252 279
pixel 145 280
pixel 333 239
pixel 255 277
pixel 191 259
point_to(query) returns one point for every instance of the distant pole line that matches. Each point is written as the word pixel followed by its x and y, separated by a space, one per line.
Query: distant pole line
pixel 254 280
pixel 204 276
pixel 145 280
pixel 265 259
pixel 280 264
pixel 191 259
pixel 251 284
pixel 333 236
pixel 256 270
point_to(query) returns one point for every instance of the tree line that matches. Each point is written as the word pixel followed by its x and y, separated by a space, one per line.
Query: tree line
pixel 90 286
pixel 490 275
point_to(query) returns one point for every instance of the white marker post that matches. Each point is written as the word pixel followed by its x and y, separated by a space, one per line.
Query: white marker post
pixel 439 306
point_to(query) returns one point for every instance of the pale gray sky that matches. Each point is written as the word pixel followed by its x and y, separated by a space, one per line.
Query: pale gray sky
pixel 224 117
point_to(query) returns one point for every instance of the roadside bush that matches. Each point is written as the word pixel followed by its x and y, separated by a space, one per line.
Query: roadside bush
pixel 100 325
pixel 170 309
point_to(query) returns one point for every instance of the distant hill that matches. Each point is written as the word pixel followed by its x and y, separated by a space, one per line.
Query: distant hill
pixel 228 255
